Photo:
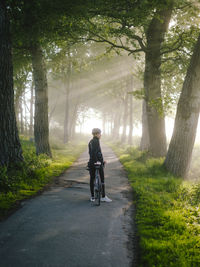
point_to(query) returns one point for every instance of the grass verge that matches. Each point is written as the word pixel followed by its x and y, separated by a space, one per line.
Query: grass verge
pixel 30 177
pixel 167 211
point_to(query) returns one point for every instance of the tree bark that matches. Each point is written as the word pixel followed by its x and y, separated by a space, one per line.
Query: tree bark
pixel 152 82
pixel 10 147
pixel 144 143
pixel 182 142
pixel 31 112
pixel 41 125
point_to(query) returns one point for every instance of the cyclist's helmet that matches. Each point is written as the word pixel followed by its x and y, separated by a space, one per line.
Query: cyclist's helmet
pixel 96 131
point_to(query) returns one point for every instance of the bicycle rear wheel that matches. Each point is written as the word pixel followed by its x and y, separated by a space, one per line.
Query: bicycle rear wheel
pixel 97 188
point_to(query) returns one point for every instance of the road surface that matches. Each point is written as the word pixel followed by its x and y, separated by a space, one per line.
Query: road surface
pixel 62 228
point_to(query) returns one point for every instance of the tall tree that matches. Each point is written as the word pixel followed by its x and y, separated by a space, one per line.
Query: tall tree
pixel 152 81
pixel 41 125
pixel 10 147
pixel 181 145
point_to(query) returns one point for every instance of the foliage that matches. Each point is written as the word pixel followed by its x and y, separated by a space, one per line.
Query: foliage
pixel 28 178
pixel 167 211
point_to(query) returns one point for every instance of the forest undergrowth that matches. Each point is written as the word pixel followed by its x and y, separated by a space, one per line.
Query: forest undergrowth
pixel 167 211
pixel 31 176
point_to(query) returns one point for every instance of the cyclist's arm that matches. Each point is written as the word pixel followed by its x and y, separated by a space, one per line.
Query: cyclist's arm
pixel 97 152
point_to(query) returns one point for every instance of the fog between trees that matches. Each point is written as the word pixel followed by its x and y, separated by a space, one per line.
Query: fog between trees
pixel 128 62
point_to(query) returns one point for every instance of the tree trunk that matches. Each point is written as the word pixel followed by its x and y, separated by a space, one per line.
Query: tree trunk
pixel 104 124
pixel 21 116
pixel 144 143
pixel 17 108
pixel 25 115
pixel 182 142
pixel 111 124
pixel 130 137
pixel 10 147
pixel 125 116
pixel 31 112
pixel 74 119
pixel 117 120
pixel 152 82
pixel 116 126
pixel 41 125
pixel 66 119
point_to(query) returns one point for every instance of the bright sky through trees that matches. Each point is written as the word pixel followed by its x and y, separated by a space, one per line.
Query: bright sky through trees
pixel 94 120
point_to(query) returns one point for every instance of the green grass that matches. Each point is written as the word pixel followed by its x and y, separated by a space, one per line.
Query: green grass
pixel 167 211
pixel 28 178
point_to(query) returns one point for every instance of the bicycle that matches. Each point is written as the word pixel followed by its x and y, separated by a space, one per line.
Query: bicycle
pixel 97 185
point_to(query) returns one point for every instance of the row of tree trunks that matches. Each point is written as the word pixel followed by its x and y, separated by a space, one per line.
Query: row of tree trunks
pixel 182 142
pixel 41 125
pixel 117 121
pixel 152 82
pixel 24 125
pixel 10 147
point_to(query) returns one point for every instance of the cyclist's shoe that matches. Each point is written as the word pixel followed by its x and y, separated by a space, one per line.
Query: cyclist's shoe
pixel 106 199
pixel 92 199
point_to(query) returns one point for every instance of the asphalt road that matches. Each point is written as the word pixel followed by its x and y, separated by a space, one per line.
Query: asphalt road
pixel 62 228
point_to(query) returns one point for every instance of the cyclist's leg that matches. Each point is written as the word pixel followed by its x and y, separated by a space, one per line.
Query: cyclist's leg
pixel 101 172
pixel 92 177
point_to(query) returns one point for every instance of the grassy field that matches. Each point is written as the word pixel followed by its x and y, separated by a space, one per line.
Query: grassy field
pixel 30 177
pixel 167 211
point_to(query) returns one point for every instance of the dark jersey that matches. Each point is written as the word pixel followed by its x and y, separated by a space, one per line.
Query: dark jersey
pixel 95 151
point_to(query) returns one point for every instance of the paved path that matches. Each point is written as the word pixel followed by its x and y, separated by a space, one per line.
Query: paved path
pixel 62 228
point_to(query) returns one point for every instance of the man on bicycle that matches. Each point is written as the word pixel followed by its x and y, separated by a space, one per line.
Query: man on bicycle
pixel 96 157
